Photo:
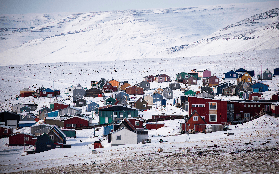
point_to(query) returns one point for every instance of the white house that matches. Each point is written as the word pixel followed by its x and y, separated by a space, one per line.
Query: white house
pixel 128 134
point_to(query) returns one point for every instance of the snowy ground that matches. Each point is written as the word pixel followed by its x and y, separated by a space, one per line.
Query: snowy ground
pixel 259 134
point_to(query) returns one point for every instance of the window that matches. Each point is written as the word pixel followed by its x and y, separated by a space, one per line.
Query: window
pixel 51 137
pixel 194 81
pixel 212 106
pixel 213 118
pixel 186 107
pixel 169 93
pixel 26 138
pixel 216 80
pixel 118 137
pixel 144 105
pixel 203 117
pixel 234 75
pixel 245 106
pixel 259 106
pixel 248 106
pixel 195 118
pixel 106 119
pixel 194 105
pixel 202 106
pixel 121 114
pixel 246 74
pixel 137 123
pixel 114 114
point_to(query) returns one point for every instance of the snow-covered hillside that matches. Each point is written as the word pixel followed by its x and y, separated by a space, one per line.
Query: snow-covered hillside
pixel 259 32
pixel 133 34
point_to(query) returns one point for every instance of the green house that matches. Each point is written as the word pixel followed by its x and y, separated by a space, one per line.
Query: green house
pixel 190 93
pixel 116 113
pixel 181 76
pixel 110 101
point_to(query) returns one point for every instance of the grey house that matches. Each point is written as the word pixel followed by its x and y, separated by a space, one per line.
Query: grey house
pixel 167 93
pixel 174 86
pixel 145 85
pixel 122 98
pixel 78 93
pixel 267 75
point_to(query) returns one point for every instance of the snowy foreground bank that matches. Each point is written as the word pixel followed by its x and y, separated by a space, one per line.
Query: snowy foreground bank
pixel 251 147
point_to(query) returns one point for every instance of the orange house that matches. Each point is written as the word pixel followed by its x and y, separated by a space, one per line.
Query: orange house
pixel 124 86
pixel 245 78
pixel 114 83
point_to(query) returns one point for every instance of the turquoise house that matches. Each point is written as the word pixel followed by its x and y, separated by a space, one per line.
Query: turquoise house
pixel 116 113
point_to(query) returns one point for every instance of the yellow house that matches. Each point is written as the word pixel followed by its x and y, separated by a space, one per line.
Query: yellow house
pixel 245 78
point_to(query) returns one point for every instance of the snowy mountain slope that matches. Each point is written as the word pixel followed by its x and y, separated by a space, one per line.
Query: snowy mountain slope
pixel 259 32
pixel 124 35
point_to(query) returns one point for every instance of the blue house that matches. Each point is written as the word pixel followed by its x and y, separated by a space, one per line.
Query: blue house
pixel 164 102
pixel 44 143
pixel 259 87
pixel 53 114
pixel 222 86
pixel 231 74
pixel 157 97
pixel 241 71
pixel 92 106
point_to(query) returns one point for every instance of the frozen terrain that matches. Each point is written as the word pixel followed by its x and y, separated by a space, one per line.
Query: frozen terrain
pixel 260 135
pixel 60 50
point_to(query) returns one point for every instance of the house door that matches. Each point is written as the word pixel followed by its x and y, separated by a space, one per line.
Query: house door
pixel 246 116
pixel 267 108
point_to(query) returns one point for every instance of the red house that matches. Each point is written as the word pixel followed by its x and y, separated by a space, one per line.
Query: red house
pixel 5 131
pixel 195 123
pixel 75 122
pixel 254 96
pixel 58 106
pixel 109 88
pixel 275 109
pixel 213 81
pixel 246 111
pixel 47 93
pixel 21 139
pixel 156 126
pixel 213 111
pixel 136 122
pixel 134 90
